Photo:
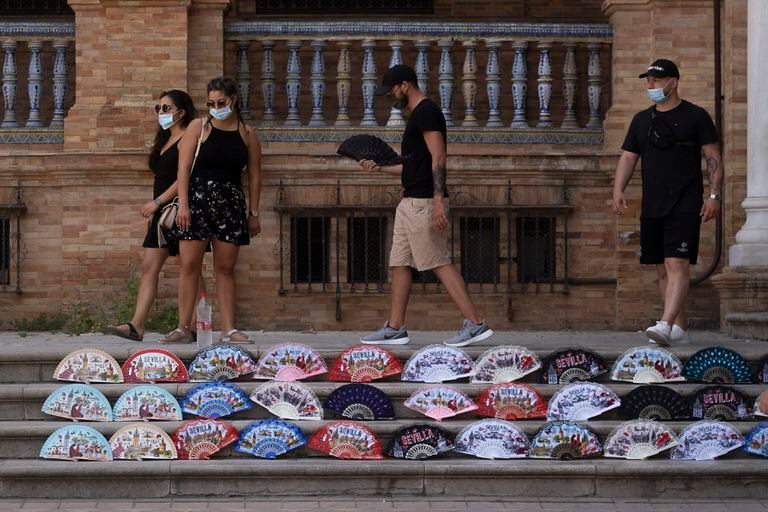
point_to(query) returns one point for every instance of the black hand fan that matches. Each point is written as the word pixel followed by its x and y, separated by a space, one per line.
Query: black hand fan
pixel 368 147
pixel 654 403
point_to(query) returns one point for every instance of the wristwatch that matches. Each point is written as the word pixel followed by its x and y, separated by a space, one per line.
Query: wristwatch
pixel 253 213
pixel 716 197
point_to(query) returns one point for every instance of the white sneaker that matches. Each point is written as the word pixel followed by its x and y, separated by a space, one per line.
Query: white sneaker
pixel 679 335
pixel 660 333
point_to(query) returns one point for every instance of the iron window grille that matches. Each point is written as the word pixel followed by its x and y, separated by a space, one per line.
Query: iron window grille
pixel 11 249
pixel 342 246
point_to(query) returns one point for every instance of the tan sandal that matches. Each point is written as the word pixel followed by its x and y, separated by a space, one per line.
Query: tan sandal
pixel 175 336
pixel 227 338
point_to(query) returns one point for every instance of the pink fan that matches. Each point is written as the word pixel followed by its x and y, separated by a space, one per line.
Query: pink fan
pixel 440 402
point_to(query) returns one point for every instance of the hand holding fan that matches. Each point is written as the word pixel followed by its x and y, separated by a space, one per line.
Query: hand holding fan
pixel 368 147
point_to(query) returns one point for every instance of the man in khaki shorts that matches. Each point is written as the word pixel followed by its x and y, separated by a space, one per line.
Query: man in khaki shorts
pixel 420 238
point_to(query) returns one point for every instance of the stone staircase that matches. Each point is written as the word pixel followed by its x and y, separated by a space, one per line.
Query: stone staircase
pixel 26 366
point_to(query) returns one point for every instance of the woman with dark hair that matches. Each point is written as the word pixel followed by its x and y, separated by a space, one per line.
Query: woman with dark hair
pixel 175 111
pixel 212 204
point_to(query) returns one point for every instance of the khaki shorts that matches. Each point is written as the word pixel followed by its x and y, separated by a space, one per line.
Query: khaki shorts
pixel 416 241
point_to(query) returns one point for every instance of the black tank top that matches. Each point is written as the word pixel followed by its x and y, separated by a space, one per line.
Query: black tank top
pixel 222 156
pixel 164 168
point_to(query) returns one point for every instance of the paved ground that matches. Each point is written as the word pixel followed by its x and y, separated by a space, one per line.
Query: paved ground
pixel 378 505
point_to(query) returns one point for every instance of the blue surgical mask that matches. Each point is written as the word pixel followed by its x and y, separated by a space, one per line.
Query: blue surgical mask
pixel 657 95
pixel 166 121
pixel 220 114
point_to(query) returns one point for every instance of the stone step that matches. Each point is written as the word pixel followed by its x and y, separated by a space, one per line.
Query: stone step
pixel 24 401
pixel 23 439
pixel 436 477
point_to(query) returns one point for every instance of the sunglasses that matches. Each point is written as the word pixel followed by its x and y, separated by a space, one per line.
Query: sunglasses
pixel 216 104
pixel 163 108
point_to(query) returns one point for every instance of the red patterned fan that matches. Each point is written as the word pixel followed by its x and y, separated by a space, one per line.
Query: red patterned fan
pixel 510 401
pixel 154 365
pixel 346 440
pixel 363 364
pixel 199 439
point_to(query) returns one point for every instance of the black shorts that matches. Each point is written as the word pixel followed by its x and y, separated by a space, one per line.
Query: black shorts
pixel 673 236
pixel 151 241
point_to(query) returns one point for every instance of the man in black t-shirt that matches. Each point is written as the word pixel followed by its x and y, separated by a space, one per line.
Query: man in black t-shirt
pixel 420 238
pixel 670 136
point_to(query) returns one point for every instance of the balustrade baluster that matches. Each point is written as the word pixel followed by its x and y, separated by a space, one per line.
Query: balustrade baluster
pixel 369 83
pixel 594 86
pixel 446 79
pixel 493 80
pixel 59 83
pixel 244 78
pixel 343 83
pixel 34 83
pixel 293 83
pixel 544 81
pixel 570 80
pixel 469 87
pixel 317 83
pixel 268 83
pixel 519 85
pixel 395 115
pixel 9 84
pixel 422 64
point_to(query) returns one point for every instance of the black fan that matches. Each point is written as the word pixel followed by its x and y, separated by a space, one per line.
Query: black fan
pixel 654 403
pixel 762 372
pixel 368 147
pixel 721 403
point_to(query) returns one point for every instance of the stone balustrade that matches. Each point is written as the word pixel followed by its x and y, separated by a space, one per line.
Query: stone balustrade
pixel 45 96
pixel 459 50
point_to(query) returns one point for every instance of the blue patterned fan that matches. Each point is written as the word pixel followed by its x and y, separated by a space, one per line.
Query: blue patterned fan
pixel 269 438
pixel 215 400
pixel 706 440
pixel 360 402
pixel 757 440
pixel 718 365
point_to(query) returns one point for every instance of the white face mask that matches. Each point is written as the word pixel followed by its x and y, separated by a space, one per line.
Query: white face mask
pixel 165 121
pixel 658 95
pixel 220 114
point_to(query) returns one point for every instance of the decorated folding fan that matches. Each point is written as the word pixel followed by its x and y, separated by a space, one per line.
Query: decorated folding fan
pixel 437 363
pixel 653 402
pixel 718 365
pixel 505 364
pixel 78 402
pixel 761 404
pixel 199 439
pixel 571 365
pixel 721 403
pixel 222 361
pixel 88 365
pixel 647 365
pixel 364 364
pixel 762 372
pixel 290 361
pixel 139 441
pixel 269 439
pixel 493 439
pixel 564 440
pixel 419 442
pixel 511 402
pixel 289 400
pixel 368 147
pixel 154 365
pixel 581 401
pixel 706 440
pixel 756 441
pixel 215 400
pixel 346 440
pixel 440 402
pixel 639 439
pixel 76 442
pixel 360 402
pixel 144 403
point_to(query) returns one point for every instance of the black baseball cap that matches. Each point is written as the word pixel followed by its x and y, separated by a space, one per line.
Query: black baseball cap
pixel 662 68
pixel 396 75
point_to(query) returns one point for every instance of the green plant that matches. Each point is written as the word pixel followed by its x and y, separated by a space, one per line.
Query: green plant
pixel 41 322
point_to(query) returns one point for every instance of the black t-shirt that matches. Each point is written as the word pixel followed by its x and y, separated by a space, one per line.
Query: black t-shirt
pixel 672 177
pixel 417 160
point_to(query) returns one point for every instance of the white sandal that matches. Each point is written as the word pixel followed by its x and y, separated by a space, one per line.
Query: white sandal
pixel 175 336
pixel 227 338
